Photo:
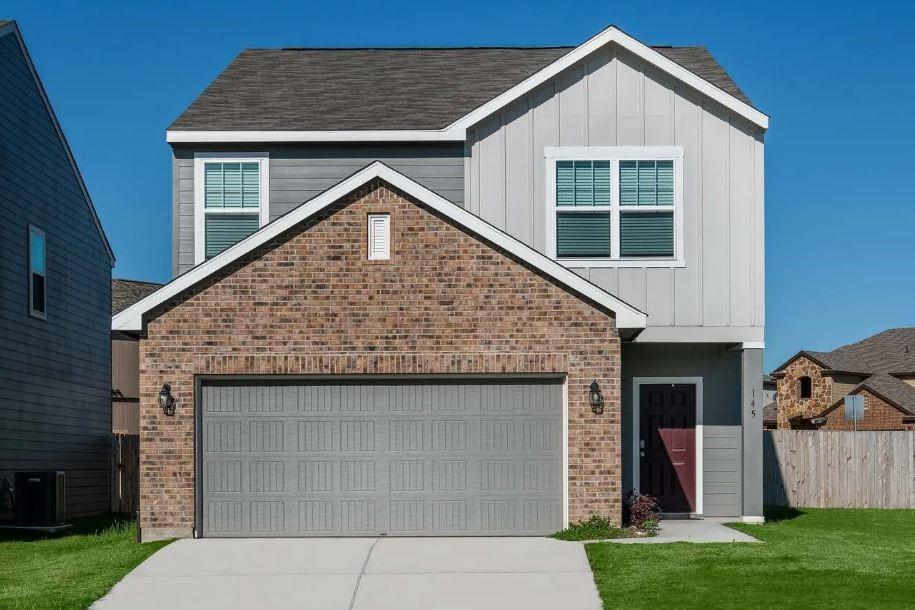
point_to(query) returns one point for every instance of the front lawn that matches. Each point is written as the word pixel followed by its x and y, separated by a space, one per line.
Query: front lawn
pixel 809 558
pixel 70 571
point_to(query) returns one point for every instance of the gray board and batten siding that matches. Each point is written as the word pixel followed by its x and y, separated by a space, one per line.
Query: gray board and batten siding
pixel 300 172
pixel 55 373
pixel 722 430
pixel 615 99
pixel 417 457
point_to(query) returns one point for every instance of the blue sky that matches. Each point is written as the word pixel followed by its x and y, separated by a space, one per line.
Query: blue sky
pixel 838 83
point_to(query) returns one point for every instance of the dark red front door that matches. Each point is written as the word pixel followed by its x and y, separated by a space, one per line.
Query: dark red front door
pixel 667 432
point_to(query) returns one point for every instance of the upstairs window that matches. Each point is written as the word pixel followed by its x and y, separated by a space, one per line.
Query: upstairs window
pixel 37 273
pixel 230 203
pixel 805 387
pixel 615 206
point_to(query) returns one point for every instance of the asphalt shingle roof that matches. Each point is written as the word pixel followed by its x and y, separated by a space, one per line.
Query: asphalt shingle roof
pixel 380 89
pixel 892 351
pixel 125 293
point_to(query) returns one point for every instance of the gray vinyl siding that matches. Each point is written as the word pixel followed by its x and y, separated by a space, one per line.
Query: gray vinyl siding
pixel 299 173
pixel 721 414
pixel 55 374
pixel 615 99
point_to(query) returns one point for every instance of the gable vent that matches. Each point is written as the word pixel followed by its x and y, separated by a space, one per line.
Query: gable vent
pixel 379 240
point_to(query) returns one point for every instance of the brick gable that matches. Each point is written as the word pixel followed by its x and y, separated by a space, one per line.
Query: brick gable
pixel 310 302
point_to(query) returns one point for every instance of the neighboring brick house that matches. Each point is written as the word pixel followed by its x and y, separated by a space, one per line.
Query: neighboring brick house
pixel 812 385
pixel 392 295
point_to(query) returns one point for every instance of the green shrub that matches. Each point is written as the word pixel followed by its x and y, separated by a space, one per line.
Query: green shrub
pixel 595 528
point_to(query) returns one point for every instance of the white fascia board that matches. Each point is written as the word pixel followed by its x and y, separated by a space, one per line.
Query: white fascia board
pixel 450 134
pixel 627 316
pixel 615 35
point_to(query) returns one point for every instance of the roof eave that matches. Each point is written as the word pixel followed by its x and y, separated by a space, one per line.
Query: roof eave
pixel 449 134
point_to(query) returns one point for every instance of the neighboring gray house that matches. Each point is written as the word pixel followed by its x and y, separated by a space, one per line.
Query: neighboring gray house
pixel 638 168
pixel 55 296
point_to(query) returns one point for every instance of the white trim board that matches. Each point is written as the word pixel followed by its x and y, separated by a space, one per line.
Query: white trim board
pixel 13 28
pixel 458 129
pixel 200 211
pixel 637 382
pixel 627 316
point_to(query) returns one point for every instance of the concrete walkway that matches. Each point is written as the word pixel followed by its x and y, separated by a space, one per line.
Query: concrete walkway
pixel 691 530
pixel 361 574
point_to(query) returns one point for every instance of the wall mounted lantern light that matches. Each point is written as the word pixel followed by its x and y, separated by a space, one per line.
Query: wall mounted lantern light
pixel 166 400
pixel 596 398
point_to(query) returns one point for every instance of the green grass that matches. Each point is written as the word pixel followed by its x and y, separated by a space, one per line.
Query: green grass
pixel 810 558
pixel 594 528
pixel 72 570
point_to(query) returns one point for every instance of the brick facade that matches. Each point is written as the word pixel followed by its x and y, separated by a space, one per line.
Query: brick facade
pixel 878 415
pixel 790 403
pixel 310 302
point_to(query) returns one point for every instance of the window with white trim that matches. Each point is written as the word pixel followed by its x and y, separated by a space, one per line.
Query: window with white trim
pixel 379 237
pixel 615 205
pixel 37 273
pixel 231 202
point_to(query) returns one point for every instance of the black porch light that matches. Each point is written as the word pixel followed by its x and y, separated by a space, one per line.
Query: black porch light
pixel 596 398
pixel 166 400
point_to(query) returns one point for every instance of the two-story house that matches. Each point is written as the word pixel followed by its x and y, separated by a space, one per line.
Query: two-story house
pixel 55 297
pixel 464 291
pixel 812 385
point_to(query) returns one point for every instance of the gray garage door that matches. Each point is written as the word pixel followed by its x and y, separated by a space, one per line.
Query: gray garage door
pixel 374 457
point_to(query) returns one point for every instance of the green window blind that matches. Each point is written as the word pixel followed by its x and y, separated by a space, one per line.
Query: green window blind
pixel 646 234
pixel 582 183
pixel 582 234
pixel 646 182
pixel 232 185
pixel 224 230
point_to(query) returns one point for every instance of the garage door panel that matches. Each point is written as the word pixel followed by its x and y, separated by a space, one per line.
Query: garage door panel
pixel 411 458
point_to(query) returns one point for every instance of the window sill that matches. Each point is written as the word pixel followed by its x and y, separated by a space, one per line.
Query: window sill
pixel 622 263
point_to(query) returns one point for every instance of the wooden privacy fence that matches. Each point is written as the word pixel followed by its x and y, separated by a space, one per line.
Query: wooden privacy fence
pixel 125 473
pixel 834 469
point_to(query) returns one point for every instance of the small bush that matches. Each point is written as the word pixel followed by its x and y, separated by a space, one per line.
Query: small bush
pixel 595 528
pixel 642 511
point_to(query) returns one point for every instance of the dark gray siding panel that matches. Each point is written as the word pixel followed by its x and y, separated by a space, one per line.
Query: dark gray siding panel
pixel 55 374
pixel 299 173
pixel 721 414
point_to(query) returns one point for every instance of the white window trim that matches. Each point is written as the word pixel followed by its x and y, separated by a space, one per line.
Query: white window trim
pixel 615 154
pixel 41 315
pixel 200 211
pixel 637 382
pixel 386 253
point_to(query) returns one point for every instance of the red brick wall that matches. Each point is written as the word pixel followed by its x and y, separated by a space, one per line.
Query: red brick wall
pixel 878 415
pixel 790 403
pixel 311 303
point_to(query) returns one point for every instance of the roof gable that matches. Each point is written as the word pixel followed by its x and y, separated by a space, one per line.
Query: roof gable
pixel 896 392
pixel 10 28
pixel 417 94
pixel 627 316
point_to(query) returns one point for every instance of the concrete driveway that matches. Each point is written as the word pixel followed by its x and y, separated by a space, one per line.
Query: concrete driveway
pixel 361 574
